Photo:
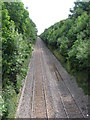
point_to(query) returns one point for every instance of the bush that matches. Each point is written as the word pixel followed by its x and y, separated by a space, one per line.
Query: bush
pixel 78 55
pixel 63 45
pixel 10 98
pixel 2 106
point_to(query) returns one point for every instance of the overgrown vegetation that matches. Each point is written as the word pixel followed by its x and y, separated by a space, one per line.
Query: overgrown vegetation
pixel 19 34
pixel 70 39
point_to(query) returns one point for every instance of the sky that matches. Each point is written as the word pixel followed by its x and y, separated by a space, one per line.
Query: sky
pixel 45 13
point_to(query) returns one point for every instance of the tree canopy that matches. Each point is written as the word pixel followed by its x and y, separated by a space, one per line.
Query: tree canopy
pixel 71 36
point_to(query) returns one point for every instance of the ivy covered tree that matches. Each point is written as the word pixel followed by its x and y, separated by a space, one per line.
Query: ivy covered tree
pixel 19 34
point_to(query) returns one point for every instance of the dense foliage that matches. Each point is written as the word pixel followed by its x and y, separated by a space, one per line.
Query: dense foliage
pixel 70 37
pixel 19 34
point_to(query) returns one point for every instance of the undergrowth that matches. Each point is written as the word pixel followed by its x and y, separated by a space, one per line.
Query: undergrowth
pixel 81 76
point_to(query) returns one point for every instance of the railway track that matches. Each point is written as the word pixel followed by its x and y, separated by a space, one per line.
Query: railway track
pixel 49 91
